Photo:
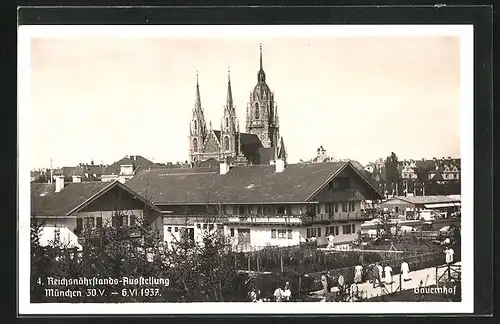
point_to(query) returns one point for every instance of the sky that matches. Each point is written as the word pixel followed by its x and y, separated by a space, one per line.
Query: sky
pixel 361 98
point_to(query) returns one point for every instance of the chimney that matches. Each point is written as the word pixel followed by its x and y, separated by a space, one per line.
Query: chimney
pixel 224 167
pixel 280 165
pixel 77 178
pixel 59 183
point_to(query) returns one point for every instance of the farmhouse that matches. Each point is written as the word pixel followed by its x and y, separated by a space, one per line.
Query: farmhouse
pixel 67 209
pixel 260 205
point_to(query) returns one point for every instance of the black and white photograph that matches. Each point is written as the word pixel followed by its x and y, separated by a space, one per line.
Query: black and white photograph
pixel 245 169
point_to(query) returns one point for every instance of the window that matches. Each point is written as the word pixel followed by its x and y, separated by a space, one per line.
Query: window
pixel 205 226
pixel 169 229
pixel 336 230
pixel 259 210
pixel 281 233
pixel 336 205
pixel 98 221
pixel 265 210
pixel 232 232
pixel 281 210
pixel 319 231
pixel 195 144
pixel 195 125
pixel 132 220
pixel 249 210
pixel 327 229
pixel 290 234
pixel 227 122
pixel 257 112
pixel 352 206
pixel 89 222
pixel 198 226
pixel 211 227
pixel 344 207
pixel 176 229
pixel 273 233
pixel 241 210
pixel 313 232
pixel 308 233
pixel 347 229
pixel 353 228
pixel 318 209
pixel 226 143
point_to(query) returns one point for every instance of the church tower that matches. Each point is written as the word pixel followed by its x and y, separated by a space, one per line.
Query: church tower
pixel 197 127
pixel 262 111
pixel 229 145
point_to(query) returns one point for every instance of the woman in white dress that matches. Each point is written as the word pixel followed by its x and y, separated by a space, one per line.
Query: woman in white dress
pixel 405 271
pixel 278 294
pixel 358 274
pixel 388 274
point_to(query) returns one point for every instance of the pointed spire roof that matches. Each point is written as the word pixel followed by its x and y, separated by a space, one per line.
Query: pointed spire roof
pixel 261 76
pixel 197 104
pixel 281 151
pixel 229 101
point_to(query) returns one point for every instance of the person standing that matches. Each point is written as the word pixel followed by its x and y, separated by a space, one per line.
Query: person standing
pixel 449 255
pixel 388 274
pixel 358 274
pixel 380 271
pixel 330 241
pixel 375 275
pixel 287 293
pixel 405 271
pixel 278 294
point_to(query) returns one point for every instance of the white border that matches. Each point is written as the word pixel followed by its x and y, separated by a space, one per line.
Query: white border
pixel 465 32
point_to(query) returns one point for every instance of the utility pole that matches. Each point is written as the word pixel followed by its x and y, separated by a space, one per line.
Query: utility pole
pixel 50 181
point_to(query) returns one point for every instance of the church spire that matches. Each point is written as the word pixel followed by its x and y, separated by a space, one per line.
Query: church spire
pixel 261 75
pixel 229 101
pixel 197 104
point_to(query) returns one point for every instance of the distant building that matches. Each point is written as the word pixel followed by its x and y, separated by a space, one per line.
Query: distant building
pixel 125 168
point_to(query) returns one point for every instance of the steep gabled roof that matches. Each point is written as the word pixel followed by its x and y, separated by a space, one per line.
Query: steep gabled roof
pixel 241 185
pixel 250 145
pixel 72 198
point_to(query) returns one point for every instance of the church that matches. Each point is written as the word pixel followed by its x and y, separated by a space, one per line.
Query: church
pixel 260 144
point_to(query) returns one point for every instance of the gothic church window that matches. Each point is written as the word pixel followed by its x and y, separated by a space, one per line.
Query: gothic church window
pixel 227 122
pixel 226 143
pixel 257 113
pixel 195 125
pixel 195 144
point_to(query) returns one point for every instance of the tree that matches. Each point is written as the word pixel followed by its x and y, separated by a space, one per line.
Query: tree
pixel 393 178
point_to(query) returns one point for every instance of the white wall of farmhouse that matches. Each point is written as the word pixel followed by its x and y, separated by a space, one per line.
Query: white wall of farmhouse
pixel 66 227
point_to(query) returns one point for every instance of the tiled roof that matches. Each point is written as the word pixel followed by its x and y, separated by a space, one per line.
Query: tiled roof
pixel 266 155
pixel 137 161
pixel 245 184
pixel 250 145
pixel 46 202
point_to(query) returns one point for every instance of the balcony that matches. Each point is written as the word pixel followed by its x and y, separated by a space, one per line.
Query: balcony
pixel 265 220
pixel 339 216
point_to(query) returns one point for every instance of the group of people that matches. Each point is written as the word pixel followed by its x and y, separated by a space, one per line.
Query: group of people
pixel 380 275
pixel 280 294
